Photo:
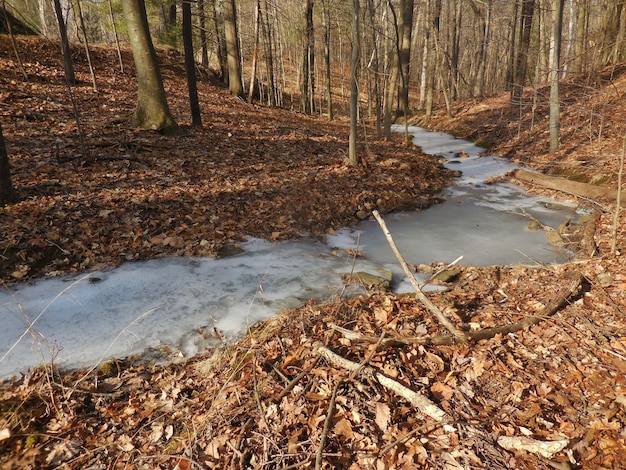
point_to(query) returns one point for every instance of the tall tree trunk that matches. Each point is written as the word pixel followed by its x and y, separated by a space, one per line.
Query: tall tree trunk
pixel 354 85
pixel 190 66
pixel 582 36
pixel 266 28
pixel 520 72
pixel 13 42
pixel 152 110
pixel 326 21
pixel 117 38
pixel 392 85
pixel 513 41
pixel 554 87
pixel 94 83
pixel 375 65
pixel 218 21
pixel 68 64
pixel 233 54
pixel 571 27
pixel 307 82
pixel 404 55
pixel 204 54
pixel 7 193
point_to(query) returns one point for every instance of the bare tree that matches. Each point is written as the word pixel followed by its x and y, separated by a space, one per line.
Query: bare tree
pixel 326 25
pixel 307 81
pixel 233 54
pixel 81 20
pixel 7 193
pixel 354 84
pixel 554 87
pixel 68 64
pixel 521 61
pixel 190 66
pixel 204 54
pixel 152 111
pixel 255 50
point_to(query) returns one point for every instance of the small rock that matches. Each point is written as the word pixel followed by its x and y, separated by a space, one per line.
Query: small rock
pixel 554 238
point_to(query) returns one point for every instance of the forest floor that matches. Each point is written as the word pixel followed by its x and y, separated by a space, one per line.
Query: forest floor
pixel 371 382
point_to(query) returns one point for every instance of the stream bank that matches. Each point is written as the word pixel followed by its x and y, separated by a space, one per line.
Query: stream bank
pixel 172 308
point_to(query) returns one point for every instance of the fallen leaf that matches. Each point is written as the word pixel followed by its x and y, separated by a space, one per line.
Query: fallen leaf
pixel 383 414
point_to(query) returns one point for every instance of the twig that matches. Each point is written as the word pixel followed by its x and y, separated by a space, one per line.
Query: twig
pixel 457 334
pixel 294 381
pixel 439 271
pixel 327 421
pixel 368 357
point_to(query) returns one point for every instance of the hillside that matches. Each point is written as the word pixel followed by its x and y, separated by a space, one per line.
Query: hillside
pixel 372 382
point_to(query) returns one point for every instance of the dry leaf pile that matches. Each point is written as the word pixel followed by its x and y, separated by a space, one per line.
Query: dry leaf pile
pixel 250 171
pixel 554 395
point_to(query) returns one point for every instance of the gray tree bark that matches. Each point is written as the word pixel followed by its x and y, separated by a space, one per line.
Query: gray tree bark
pixel 354 85
pixel 233 54
pixel 555 108
pixel 190 66
pixel 68 65
pixel 7 193
pixel 152 111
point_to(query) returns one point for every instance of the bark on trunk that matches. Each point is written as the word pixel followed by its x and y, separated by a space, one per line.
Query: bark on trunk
pixel 233 55
pixel 7 194
pixel 152 110
pixel 190 66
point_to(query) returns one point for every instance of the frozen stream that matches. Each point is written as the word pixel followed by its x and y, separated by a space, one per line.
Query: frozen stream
pixel 173 303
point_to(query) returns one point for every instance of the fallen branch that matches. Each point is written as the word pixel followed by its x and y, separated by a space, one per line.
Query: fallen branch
pixel 561 299
pixel 457 334
pixel 416 399
pixel 327 421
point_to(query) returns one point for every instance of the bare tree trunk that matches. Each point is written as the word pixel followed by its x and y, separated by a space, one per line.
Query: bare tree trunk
pixel 554 87
pixel 94 83
pixel 233 54
pixel 520 72
pixel 68 65
pixel 307 82
pixel 7 193
pixel 190 66
pixel 375 66
pixel 485 21
pixel 571 27
pixel 255 51
pixel 266 28
pixel 204 54
pixel 13 43
pixel 392 84
pixel 513 41
pixel 326 21
pixel 406 30
pixel 152 110
pixel 220 38
pixel 117 38
pixel 354 85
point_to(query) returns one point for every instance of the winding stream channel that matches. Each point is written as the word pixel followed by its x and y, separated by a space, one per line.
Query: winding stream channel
pixel 170 306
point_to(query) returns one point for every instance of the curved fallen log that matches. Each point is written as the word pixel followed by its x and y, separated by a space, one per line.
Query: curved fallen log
pixel 561 299
pixel 589 191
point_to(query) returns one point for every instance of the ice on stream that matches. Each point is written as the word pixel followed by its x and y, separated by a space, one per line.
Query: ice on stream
pixel 175 303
